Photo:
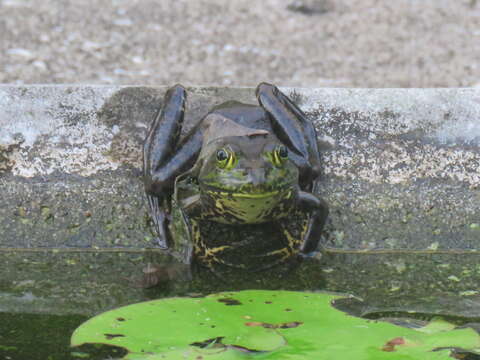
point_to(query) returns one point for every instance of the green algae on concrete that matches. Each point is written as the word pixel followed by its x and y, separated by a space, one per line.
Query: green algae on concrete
pixel 104 211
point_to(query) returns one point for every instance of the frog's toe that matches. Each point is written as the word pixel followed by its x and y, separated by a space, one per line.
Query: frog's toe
pixel 163 238
pixel 160 222
pixel 161 243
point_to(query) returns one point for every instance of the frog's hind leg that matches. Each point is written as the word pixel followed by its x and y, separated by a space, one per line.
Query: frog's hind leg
pixel 294 129
pixel 164 158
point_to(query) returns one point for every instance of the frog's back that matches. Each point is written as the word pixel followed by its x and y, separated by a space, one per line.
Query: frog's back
pixel 248 115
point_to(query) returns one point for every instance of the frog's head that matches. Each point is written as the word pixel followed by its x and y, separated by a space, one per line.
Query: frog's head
pixel 245 175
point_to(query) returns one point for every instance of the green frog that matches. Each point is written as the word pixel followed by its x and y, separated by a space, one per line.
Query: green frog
pixel 239 189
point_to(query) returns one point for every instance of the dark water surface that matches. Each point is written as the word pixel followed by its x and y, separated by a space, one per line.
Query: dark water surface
pixel 44 296
pixel 45 337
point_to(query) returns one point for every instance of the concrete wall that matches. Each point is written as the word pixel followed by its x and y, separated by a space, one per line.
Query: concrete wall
pixel 401 173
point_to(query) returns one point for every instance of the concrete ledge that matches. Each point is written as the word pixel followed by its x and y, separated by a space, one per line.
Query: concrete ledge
pixel 401 175
pixel 401 165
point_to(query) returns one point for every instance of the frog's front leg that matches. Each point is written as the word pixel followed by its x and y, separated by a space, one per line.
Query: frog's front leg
pixel 318 210
pixel 164 158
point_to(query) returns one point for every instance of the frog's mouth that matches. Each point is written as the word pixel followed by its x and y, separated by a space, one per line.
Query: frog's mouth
pixel 251 193
pixel 247 195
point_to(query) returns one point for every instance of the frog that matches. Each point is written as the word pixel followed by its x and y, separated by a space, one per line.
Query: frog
pixel 242 170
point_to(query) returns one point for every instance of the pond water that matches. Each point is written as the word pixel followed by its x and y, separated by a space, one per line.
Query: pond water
pixel 45 337
pixel 45 296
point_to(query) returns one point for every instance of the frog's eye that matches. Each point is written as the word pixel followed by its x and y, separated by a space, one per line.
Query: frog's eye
pixel 226 159
pixel 279 155
pixel 282 151
pixel 222 155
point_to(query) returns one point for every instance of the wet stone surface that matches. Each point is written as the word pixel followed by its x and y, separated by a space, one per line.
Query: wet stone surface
pixel 389 285
pixel 75 212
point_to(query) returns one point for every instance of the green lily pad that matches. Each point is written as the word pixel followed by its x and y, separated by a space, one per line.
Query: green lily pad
pixel 265 325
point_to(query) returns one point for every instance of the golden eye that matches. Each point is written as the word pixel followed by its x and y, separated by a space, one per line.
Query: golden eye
pixel 279 155
pixel 226 159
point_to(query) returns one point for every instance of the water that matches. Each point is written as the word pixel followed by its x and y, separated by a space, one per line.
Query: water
pixel 45 337
pixel 45 296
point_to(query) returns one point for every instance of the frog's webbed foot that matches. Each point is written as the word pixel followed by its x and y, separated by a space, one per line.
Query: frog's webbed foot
pixel 164 158
pixel 294 129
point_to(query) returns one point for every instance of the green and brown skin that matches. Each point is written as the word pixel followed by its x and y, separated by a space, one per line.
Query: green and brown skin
pixel 245 164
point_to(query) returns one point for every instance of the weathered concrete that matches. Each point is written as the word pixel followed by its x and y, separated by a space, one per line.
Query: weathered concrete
pixel 401 176
pixel 401 166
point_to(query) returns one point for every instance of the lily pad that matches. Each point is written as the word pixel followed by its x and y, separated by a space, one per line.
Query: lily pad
pixel 265 325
